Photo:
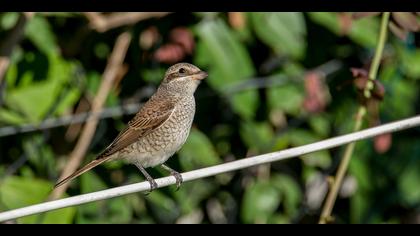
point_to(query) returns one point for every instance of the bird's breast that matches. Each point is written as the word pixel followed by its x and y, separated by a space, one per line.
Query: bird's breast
pixel 156 147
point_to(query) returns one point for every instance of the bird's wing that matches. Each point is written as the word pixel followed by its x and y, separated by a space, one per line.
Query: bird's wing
pixel 152 115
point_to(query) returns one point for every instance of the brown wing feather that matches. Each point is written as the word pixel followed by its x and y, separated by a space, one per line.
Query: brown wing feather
pixel 153 114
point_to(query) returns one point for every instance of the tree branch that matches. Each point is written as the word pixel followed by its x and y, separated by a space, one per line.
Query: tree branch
pixel 115 62
pixel 332 195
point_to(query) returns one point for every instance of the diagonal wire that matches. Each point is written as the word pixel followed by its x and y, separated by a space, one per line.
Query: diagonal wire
pixel 213 170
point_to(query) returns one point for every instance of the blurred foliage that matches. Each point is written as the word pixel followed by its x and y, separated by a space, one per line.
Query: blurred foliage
pixel 258 98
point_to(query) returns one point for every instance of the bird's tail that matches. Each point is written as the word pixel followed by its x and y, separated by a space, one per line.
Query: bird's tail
pixel 77 173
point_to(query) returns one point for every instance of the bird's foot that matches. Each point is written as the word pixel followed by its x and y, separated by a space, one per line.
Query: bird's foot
pixel 153 185
pixel 152 182
pixel 178 176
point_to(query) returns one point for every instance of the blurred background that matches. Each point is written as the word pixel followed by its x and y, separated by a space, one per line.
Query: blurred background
pixel 276 80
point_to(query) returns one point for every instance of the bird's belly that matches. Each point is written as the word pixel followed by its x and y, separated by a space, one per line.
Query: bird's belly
pixel 157 147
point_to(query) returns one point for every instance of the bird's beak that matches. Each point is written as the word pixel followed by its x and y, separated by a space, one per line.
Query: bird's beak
pixel 200 75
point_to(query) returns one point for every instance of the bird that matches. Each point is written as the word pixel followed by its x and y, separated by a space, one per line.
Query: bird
pixel 159 129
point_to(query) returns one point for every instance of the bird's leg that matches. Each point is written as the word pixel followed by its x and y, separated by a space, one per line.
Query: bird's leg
pixel 152 182
pixel 177 175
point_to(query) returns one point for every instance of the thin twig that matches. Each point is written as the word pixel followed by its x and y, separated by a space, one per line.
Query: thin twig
pixel 332 195
pixel 102 23
pixel 115 62
pixel 325 69
pixel 214 170
pixel 83 117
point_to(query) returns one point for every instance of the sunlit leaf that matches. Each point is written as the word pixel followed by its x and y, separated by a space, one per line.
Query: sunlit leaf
pixel 257 135
pixel 8 20
pixel 198 152
pixel 227 61
pixel 260 201
pixel 320 124
pixel 283 31
pixel 290 192
pixel 409 182
pixel 364 31
pixel 39 31
pixel 16 192
pixel 287 98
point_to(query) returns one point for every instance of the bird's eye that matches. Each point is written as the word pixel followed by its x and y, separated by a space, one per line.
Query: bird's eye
pixel 181 71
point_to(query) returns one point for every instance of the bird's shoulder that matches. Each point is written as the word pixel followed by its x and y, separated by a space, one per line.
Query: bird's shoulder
pixel 152 115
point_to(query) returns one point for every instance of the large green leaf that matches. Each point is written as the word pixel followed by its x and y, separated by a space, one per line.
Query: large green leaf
pixel 290 191
pixel 16 192
pixel 410 61
pixel 257 135
pixel 34 99
pixel 363 31
pixel 198 152
pixel 287 98
pixel 409 184
pixel 320 124
pixel 11 117
pixel 8 20
pixel 39 31
pixel 114 211
pixel 191 194
pixel 228 61
pixel 163 207
pixel 260 201
pixel 284 32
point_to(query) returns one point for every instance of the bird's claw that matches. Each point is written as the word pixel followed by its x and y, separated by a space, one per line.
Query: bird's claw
pixel 153 186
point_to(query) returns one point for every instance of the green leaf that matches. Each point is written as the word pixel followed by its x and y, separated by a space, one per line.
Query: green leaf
pixel 16 192
pixel 290 192
pixel 163 207
pixel 153 75
pixel 114 211
pixel 410 60
pixel 191 194
pixel 34 99
pixel 401 93
pixel 359 207
pixel 364 31
pixel 260 201
pixel 320 124
pixel 257 135
pixel 409 182
pixel 198 152
pixel 11 117
pixel 287 98
pixel 284 32
pixel 359 168
pixel 228 63
pixel 39 31
pixel 8 20
pixel 245 103
pixel 327 19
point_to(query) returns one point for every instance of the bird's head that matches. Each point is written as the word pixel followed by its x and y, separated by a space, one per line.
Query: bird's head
pixel 182 79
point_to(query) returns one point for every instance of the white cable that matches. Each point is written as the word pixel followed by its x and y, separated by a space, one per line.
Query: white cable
pixel 213 170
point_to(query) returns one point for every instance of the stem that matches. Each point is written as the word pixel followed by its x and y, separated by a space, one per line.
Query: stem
pixel 332 195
